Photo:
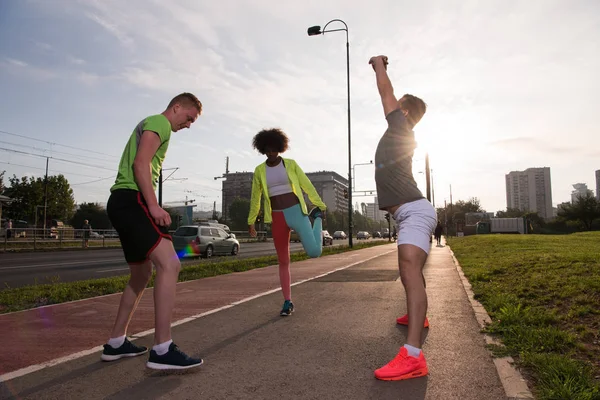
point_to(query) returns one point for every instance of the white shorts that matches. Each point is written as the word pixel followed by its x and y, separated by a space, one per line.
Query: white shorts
pixel 415 223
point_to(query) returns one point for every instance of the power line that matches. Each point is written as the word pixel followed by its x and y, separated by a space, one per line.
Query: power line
pixel 57 159
pixel 97 180
pixel 50 169
pixel 56 144
pixel 53 151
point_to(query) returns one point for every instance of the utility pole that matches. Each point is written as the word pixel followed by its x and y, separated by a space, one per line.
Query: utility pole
pixel 160 182
pixel 428 176
pixel 45 196
pixel 432 190
pixel 445 218
pixel 223 192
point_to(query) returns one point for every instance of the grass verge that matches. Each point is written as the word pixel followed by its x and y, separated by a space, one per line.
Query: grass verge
pixel 27 297
pixel 543 296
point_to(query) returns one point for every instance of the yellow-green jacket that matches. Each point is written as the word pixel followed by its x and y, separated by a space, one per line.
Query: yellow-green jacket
pixel 298 180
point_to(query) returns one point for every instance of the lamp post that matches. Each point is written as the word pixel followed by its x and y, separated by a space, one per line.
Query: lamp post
pixel 316 30
pixel 354 172
pixel 224 210
pixel 432 189
pixel 428 176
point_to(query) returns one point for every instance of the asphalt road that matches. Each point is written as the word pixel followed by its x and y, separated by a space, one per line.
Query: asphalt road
pixel 343 328
pixel 21 269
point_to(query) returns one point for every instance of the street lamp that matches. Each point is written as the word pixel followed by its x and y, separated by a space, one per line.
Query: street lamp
pixel 432 189
pixel 354 173
pixel 316 30
pixel 224 210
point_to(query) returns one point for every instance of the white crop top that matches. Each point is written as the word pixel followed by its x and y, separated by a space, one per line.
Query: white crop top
pixel 277 180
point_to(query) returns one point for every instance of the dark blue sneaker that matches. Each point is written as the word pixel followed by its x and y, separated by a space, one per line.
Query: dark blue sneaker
pixel 127 349
pixel 288 308
pixel 316 213
pixel 172 359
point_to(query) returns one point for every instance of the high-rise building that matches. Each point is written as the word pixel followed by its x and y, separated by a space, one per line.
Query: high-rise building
pixel 598 184
pixel 530 190
pixel 374 212
pixel 238 184
pixel 581 190
pixel 328 184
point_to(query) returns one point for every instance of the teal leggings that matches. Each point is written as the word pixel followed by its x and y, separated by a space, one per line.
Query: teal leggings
pixel 294 218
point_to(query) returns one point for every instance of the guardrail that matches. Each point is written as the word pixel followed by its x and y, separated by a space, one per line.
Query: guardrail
pixel 65 238
pixel 39 238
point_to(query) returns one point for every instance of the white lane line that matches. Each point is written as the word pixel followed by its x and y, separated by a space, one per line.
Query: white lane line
pixel 84 262
pixel 110 270
pixel 33 368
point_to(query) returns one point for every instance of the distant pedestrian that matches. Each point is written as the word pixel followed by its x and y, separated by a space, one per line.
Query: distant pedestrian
pixel 87 231
pixel 9 225
pixel 438 233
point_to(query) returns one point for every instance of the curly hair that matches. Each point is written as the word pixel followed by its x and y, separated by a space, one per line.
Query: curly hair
pixel 270 139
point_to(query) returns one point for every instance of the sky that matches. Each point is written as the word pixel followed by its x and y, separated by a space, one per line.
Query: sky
pixel 509 85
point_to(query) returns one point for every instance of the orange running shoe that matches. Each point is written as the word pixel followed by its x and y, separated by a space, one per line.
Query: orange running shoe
pixel 403 320
pixel 403 367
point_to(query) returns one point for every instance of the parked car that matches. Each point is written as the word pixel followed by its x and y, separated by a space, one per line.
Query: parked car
pixel 216 224
pixel 111 234
pixel 204 241
pixel 294 236
pixel 339 235
pixel 327 238
pixel 363 235
pixel 376 234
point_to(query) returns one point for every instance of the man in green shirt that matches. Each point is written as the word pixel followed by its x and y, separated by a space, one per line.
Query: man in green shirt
pixel 142 226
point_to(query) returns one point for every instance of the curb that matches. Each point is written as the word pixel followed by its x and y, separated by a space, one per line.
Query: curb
pixel 514 385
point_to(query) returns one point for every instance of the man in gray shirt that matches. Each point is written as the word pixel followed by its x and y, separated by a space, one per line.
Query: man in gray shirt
pixel 415 217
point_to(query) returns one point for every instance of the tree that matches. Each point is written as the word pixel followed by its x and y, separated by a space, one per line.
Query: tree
pixel 28 199
pixel 94 213
pixel 585 210
pixel 61 202
pixel 472 205
pixel 238 214
pixel 2 181
pixel 455 213
pixel 510 213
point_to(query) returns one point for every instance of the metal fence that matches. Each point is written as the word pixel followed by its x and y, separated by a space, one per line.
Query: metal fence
pixel 39 238
pixel 19 239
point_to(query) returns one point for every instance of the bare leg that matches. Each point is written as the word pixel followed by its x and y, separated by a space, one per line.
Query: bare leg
pixel 167 271
pixel 411 260
pixel 140 275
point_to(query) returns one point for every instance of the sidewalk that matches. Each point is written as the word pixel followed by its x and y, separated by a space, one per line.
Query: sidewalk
pixel 343 329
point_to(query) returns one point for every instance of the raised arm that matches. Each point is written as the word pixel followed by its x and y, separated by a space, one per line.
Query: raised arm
pixel 384 85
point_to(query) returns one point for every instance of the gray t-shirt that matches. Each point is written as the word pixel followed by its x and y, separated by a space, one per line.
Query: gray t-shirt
pixel 393 163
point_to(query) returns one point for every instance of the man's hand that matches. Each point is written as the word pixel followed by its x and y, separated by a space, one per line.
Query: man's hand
pixel 251 230
pixel 161 217
pixel 379 59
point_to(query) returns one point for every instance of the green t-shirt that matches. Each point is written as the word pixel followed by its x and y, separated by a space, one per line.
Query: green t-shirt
pixel 155 123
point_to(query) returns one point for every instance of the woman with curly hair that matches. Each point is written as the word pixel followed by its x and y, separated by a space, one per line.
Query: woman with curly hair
pixel 281 182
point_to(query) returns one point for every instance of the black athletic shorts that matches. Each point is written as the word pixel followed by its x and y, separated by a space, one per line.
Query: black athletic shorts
pixel 139 234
